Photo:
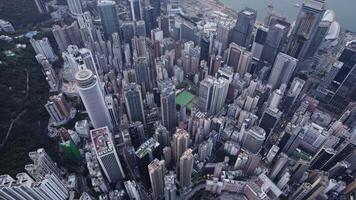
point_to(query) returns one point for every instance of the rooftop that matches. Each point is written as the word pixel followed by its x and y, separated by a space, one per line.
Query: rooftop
pixel 147 147
pixel 102 141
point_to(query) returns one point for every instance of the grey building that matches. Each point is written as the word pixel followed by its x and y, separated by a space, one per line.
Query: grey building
pixel 134 103
pixel 168 108
pixel 305 27
pixel 242 33
pixel 275 41
pixel 109 18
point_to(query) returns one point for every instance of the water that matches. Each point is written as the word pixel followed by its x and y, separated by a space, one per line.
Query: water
pixel 345 9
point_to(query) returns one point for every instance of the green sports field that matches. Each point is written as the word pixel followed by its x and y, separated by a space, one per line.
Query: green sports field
pixel 187 99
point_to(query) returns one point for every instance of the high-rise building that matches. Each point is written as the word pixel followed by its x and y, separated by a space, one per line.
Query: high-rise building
pixel 150 18
pixel 275 41
pixel 239 59
pixel 127 31
pixel 253 139
pixel 280 163
pixel 341 87
pixel 173 7
pixel 41 6
pixel 135 9
pixel 186 162
pixel 137 134
pixel 141 28
pixel 162 135
pixel 58 108
pixel 224 33
pixel 112 105
pixel 109 18
pixel 180 143
pixel 42 165
pixel 321 158
pixel 170 189
pixel 306 27
pixel 260 40
pixel 60 37
pixel 76 59
pixel 93 99
pixel 168 108
pixel 242 33
pixel 143 73
pixel 322 31
pixel 205 149
pixel 269 120
pixel 106 153
pixel 282 70
pixel 86 25
pixel 44 47
pixel 157 171
pixel 271 154
pixel 132 190
pixel 75 7
pixel 134 103
pixel 212 94
pixel 344 151
pixel 49 187
pixel 146 153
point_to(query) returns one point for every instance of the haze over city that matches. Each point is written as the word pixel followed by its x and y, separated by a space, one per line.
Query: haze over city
pixel 177 99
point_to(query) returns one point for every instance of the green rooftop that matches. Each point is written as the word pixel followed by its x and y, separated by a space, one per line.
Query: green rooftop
pixel 187 99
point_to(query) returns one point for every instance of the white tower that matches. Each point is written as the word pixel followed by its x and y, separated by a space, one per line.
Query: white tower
pixel 93 99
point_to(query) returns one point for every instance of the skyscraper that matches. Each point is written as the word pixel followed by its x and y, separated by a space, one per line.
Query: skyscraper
pixel 42 165
pixel 60 37
pixel 168 108
pixel 341 87
pixel 157 171
pixel 112 105
pixel 41 6
pixel 134 103
pixel 186 162
pixel 239 59
pixel 135 8
pixel 93 99
pixel 322 32
pixel 180 143
pixel 106 154
pixel 49 187
pixel 305 27
pixel 44 47
pixel 75 7
pixel 260 40
pixel 242 33
pixel 282 70
pixel 146 153
pixel 170 189
pixel 109 18
pixel 58 108
pixel 212 94
pixel 253 139
pixel 275 41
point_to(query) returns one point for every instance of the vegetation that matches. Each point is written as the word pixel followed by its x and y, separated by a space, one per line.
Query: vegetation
pixel 23 14
pixel 29 132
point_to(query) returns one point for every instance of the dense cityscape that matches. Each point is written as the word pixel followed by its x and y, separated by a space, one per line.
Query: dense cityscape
pixel 176 100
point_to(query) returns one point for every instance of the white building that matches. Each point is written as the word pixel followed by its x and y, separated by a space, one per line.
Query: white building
pixel 44 47
pixel 92 96
pixel 48 187
pixel 106 154
pixel 75 6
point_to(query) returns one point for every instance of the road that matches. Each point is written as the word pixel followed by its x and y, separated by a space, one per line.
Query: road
pixel 194 190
